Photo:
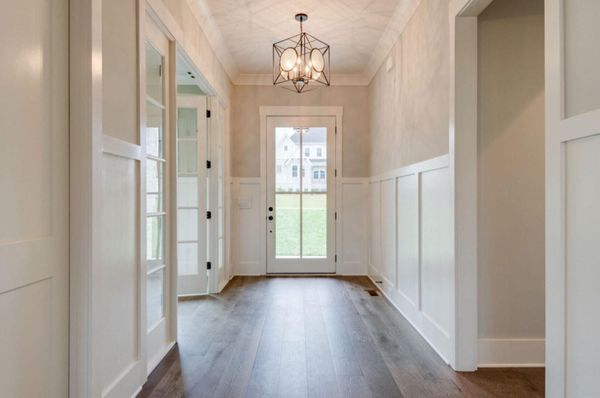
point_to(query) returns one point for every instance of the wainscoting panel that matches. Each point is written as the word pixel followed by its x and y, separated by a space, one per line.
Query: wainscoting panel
pixel 436 247
pixel 407 221
pixel 353 224
pixel 248 233
pixel 388 231
pixel 411 246
pixel 26 340
pixel 116 282
pixel 375 230
pixel 582 270
pixel 248 242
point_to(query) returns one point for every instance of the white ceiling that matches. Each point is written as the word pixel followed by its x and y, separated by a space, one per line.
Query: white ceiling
pixel 360 32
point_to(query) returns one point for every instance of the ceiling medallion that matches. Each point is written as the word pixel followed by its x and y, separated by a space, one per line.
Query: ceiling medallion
pixel 301 62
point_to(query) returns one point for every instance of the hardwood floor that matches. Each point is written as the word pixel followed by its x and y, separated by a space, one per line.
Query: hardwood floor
pixel 313 337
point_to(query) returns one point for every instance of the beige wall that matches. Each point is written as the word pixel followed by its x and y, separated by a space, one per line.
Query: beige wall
pixel 511 169
pixel 246 124
pixel 409 103
pixel 197 46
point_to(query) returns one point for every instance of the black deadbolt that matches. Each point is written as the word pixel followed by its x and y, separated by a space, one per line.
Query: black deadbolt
pixel 270 218
pixel 270 208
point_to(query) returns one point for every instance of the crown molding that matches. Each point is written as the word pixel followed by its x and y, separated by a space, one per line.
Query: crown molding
pixel 214 37
pixel 337 79
pixel 402 14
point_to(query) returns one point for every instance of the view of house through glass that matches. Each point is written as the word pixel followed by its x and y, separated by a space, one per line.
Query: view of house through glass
pixel 301 192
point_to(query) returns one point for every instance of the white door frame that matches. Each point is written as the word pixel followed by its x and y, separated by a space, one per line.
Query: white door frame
pixel 265 112
pixel 198 102
pixel 463 165
pixel 301 264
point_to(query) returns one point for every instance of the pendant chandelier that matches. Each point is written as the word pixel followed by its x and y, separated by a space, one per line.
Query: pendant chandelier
pixel 301 62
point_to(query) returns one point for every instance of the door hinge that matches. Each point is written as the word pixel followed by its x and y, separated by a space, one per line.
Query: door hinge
pixel 208 164
pixel 335 172
pixel 208 265
pixel 208 215
pixel 208 113
pixel 335 258
pixel 335 215
pixel 336 129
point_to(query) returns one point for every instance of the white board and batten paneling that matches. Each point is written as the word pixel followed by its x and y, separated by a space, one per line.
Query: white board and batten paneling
pixel 108 325
pixel 572 198
pixel 248 239
pixel 34 199
pixel 410 254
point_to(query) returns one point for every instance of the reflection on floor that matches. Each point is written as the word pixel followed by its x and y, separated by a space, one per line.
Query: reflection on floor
pixel 313 337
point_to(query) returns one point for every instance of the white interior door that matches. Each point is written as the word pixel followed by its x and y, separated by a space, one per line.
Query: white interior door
pixel 300 194
pixel 159 87
pixel 191 195
pixel 34 199
pixel 572 198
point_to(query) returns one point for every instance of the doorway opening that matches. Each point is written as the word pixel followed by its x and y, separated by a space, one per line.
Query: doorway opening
pixel 510 183
pixel 193 187
pixel 497 141
pixel 301 194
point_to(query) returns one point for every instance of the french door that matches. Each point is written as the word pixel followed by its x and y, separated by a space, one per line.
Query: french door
pixel 158 89
pixel 192 138
pixel 300 194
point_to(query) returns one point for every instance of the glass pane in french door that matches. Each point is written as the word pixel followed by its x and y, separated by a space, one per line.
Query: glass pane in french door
pixel 314 192
pixel 300 192
pixel 287 192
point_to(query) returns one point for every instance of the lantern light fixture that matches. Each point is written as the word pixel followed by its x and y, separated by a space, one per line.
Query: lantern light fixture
pixel 301 62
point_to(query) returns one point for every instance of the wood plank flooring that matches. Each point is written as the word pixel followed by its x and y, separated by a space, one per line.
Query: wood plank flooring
pixel 313 337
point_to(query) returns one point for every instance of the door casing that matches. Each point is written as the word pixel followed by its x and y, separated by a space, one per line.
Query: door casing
pixel 268 111
pixel 324 265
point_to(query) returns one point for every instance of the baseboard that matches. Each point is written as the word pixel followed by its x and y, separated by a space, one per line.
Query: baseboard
pixel 224 283
pixel 411 322
pixel 511 353
pixel 153 363
pixel 135 394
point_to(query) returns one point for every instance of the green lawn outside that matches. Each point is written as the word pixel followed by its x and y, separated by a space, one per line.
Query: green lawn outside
pixel 314 228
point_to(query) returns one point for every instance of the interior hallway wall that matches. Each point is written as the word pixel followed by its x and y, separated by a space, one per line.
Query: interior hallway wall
pixel 105 201
pixel 246 124
pixel 410 190
pixel 198 47
pixel 511 172
pixel 408 104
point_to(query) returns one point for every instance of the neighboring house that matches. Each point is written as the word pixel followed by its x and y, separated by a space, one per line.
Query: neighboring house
pixel 312 153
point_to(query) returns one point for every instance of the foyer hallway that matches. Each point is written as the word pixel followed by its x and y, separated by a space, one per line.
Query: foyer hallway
pixel 313 337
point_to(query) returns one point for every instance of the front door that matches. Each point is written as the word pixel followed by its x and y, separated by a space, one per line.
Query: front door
pixel 300 195
pixel 34 199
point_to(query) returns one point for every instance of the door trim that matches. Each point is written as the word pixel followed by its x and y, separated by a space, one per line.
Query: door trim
pixel 302 264
pixel 270 111
pixel 462 130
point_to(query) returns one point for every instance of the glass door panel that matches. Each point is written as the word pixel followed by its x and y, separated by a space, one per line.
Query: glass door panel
pixel 300 212
pixel 155 186
pixel 191 195
pixel 287 193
